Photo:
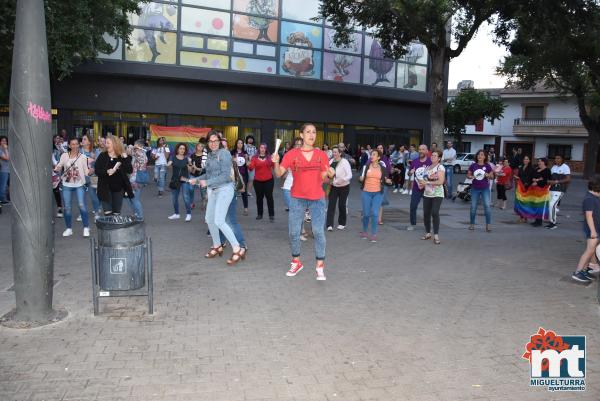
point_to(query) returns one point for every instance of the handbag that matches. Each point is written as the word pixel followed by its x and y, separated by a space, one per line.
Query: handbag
pixel 236 177
pixel 175 184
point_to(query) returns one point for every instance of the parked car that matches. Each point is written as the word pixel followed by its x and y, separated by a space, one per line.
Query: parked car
pixel 463 162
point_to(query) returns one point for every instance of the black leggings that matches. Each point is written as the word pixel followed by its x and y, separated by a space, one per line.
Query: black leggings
pixel 264 189
pixel 501 189
pixel 337 194
pixel 114 204
pixel 431 209
pixel 57 197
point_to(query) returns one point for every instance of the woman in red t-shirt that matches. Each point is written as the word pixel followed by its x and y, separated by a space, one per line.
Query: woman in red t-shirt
pixel 263 181
pixel 310 167
pixel 503 182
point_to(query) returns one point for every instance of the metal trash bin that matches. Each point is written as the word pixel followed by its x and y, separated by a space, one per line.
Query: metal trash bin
pixel 121 253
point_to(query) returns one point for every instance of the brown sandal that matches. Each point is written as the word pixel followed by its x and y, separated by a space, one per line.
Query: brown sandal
pixel 233 260
pixel 213 252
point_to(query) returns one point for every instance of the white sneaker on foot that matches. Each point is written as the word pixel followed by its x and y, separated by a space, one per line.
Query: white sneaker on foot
pixel 68 232
pixel 79 218
pixel 329 228
pixel 341 227
pixel 188 217
pixel 174 216
pixel 321 272
pixel 395 191
pixel 86 232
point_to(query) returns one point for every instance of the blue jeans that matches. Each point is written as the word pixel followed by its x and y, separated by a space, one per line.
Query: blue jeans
pixel 449 179
pixel 415 199
pixel 371 202
pixel 160 175
pixel 4 185
pixel 287 198
pixel 93 195
pixel 485 196
pixel 296 218
pixel 187 201
pixel 67 194
pixel 219 200
pixel 231 220
pixel 136 202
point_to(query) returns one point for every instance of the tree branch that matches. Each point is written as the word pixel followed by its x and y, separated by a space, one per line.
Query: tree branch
pixel 465 39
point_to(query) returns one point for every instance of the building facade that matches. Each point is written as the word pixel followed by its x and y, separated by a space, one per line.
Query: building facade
pixel 541 122
pixel 259 67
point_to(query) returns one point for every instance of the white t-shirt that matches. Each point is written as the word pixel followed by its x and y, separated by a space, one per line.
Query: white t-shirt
pixel 163 154
pixel 289 181
pixel 559 173
pixel 449 156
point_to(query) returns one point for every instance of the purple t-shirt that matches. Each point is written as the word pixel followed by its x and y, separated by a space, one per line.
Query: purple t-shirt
pixel 420 169
pixel 480 181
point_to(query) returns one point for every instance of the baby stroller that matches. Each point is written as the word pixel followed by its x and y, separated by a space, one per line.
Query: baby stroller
pixel 463 190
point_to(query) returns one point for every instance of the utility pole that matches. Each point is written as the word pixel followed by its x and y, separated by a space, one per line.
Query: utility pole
pixel 30 136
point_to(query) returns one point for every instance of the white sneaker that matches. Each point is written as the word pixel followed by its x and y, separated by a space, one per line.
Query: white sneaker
pixel 329 228
pixel 410 192
pixel 68 232
pixel 86 232
pixel 59 214
pixel 188 217
pixel 395 191
pixel 173 216
pixel 321 274
pixel 79 218
pixel 341 227
pixel 410 228
pixel 303 237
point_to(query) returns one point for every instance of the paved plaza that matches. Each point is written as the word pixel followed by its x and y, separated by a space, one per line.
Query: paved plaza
pixel 398 320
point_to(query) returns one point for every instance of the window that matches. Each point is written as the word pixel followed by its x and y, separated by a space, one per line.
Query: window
pixel 341 67
pixel 152 46
pixel 301 35
pixel 411 76
pixel 248 64
pixel 255 28
pixel 466 148
pixel 204 60
pixel 155 15
pixel 303 10
pixel 300 62
pixel 209 3
pixel 561 150
pixel 535 112
pixel 204 21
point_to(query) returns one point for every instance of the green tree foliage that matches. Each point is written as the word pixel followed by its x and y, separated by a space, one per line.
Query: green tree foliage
pixel 434 23
pixel 75 30
pixel 556 43
pixel 470 106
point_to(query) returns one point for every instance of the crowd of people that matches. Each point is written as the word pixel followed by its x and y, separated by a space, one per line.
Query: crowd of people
pixel 316 182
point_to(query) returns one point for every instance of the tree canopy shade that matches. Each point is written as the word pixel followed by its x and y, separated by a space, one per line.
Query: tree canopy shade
pixel 470 106
pixel 434 23
pixel 556 44
pixel 75 30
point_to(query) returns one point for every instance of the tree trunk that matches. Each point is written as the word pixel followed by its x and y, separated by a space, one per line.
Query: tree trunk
pixel 438 95
pixel 592 125
pixel 589 168
pixel 30 135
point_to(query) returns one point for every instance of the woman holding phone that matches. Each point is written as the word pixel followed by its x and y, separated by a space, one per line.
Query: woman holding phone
pixel 74 168
pixel 112 167
pixel 311 169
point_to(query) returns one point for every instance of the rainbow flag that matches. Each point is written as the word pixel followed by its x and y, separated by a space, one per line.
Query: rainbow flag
pixel 175 135
pixel 532 202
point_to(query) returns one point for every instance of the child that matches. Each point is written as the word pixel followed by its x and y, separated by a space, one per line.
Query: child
pixel 591 228
pixel 504 182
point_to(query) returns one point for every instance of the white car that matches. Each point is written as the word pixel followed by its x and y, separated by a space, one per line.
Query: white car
pixel 463 162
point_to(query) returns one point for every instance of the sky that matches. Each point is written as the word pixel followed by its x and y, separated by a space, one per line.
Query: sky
pixel 478 62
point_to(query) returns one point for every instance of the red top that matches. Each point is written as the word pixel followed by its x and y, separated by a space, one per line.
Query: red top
pixel 308 182
pixel 504 179
pixel 263 168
